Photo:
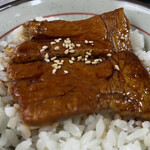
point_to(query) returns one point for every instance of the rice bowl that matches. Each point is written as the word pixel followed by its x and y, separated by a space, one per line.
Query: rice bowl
pixel 97 131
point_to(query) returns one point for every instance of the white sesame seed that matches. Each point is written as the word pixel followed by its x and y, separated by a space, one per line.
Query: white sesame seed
pixel 86 56
pixel 117 67
pixel 78 45
pixel 57 40
pixel 85 59
pixel 70 48
pixel 88 53
pixel 56 61
pixel 46 56
pixel 54 71
pixel 72 44
pixel 58 67
pixel 56 48
pixel 86 41
pixel 62 61
pixel 122 38
pixel 42 50
pixel 54 65
pixel 53 58
pixel 108 54
pixel 87 62
pixel 91 42
pixel 70 61
pixel 67 41
pixel 47 60
pixel 66 51
pixel 79 58
pixel 65 72
pixel 44 47
pixel 72 51
pixel 100 60
pixel 94 62
pixel 72 58
pixel 64 45
pixel 52 43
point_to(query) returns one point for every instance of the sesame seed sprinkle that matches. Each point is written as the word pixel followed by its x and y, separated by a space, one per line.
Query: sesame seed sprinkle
pixel 85 59
pixel 100 60
pixel 72 51
pixel 65 72
pixel 78 45
pixel 47 60
pixel 88 53
pixel 72 58
pixel 91 42
pixel 46 56
pixel 64 45
pixel 122 38
pixel 72 45
pixel 87 62
pixel 70 61
pixel 44 47
pixel 54 71
pixel 54 65
pixel 86 41
pixel 108 54
pixel 53 58
pixel 79 58
pixel 52 43
pixel 86 56
pixel 67 41
pixel 94 62
pixel 70 48
pixel 60 63
pixel 56 61
pixel 56 48
pixel 117 67
pixel 58 67
pixel 66 51
pixel 57 40
pixel 42 50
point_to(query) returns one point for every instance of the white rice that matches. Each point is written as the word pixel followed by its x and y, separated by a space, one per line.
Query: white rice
pixel 93 132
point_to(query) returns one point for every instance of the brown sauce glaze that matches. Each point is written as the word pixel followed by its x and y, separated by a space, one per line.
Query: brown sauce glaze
pixel 45 97
pixel 50 85
pixel 109 32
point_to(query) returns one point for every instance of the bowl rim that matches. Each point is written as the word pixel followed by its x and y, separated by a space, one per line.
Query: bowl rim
pixel 18 2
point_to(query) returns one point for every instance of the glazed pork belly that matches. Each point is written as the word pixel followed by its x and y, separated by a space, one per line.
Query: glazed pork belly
pixel 66 71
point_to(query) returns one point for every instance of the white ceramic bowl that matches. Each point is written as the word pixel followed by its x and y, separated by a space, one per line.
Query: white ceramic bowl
pixel 139 16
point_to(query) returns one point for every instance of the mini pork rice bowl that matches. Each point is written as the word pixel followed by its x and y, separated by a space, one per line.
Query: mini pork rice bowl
pixel 92 132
